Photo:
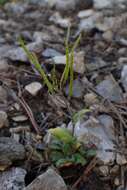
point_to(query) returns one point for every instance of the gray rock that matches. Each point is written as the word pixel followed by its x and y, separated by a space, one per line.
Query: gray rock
pixel 85 13
pixel 49 180
pixel 10 151
pixel 13 179
pixel 110 89
pixel 66 5
pixel 102 4
pixel 16 8
pixel 79 63
pixel 49 53
pixel 93 132
pixel 18 54
pixel 77 89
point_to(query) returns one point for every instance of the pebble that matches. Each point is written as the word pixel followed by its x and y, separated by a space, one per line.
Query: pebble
pixel 3 119
pixel 62 22
pixel 33 88
pixel 121 160
pixel 49 180
pixel 85 13
pixel 20 118
pixel 3 95
pixel 77 89
pixel 90 99
pixel 4 65
pixel 49 53
pixel 104 171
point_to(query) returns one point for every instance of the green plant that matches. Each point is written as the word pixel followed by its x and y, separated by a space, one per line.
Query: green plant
pixel 34 60
pixel 2 2
pixel 52 82
pixel 66 150
pixel 79 115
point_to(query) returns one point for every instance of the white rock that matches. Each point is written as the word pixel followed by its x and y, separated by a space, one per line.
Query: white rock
pixel 57 19
pixel 85 13
pixel 33 88
pixel 20 118
pixel 79 63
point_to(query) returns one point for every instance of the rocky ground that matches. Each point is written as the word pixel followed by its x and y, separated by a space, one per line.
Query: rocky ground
pixel 28 110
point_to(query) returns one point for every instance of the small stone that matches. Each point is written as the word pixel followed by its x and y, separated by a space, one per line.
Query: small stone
pixel 79 63
pixel 114 170
pixel 85 13
pixel 14 178
pixel 3 119
pixel 110 89
pixel 49 180
pixel 102 4
pixel 3 65
pixel 122 60
pixel 16 8
pixel 77 91
pixel 33 88
pixel 20 118
pixel 49 53
pixel 108 35
pixel 121 160
pixel 90 99
pixel 104 170
pixel 57 19
pixel 117 181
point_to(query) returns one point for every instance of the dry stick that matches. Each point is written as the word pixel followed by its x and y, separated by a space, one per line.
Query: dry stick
pixel 87 170
pixel 27 109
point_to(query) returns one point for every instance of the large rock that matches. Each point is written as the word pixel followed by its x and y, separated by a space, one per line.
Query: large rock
pixel 10 151
pixel 98 132
pixel 13 179
pixel 50 180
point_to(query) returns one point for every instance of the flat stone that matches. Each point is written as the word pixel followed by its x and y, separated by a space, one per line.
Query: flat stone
pixel 14 178
pixel 77 89
pixel 49 53
pixel 110 89
pixel 85 13
pixel 20 118
pixel 49 180
pixel 33 88
pixel 3 65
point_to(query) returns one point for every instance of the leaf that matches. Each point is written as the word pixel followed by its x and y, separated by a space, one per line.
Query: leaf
pixel 79 115
pixel 67 149
pixel 62 134
pixel 56 155
pixel 56 145
pixel 91 153
pixel 79 159
pixel 64 162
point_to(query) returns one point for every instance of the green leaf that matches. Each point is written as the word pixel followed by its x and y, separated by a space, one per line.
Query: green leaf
pixel 55 156
pixel 79 159
pixel 62 134
pixel 79 115
pixel 91 153
pixel 67 149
